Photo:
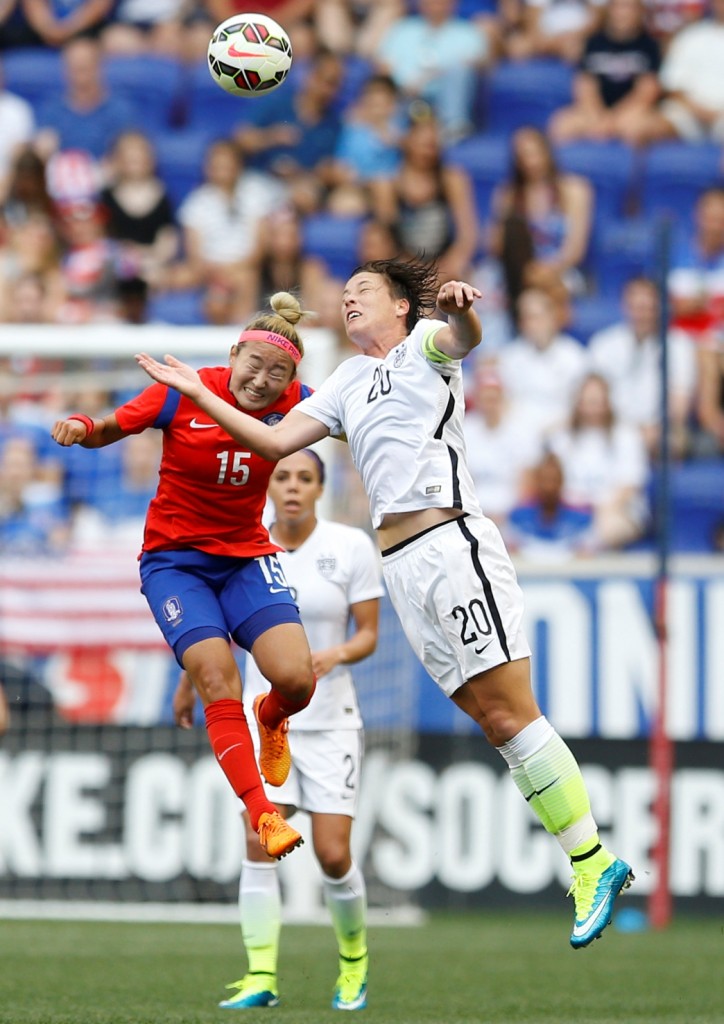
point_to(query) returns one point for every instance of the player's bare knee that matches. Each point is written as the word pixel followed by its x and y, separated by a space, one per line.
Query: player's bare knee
pixel 294 682
pixel 214 683
pixel 334 859
pixel 503 723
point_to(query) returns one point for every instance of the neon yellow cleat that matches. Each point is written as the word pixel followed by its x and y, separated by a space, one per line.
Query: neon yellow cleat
pixel 252 990
pixel 594 894
pixel 351 990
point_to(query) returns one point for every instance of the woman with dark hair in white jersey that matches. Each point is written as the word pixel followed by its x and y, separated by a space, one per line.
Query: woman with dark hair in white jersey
pixel 400 405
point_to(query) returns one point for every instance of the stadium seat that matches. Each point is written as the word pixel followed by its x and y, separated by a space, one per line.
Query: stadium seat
pixel 32 73
pixel 674 174
pixel 335 240
pixel 180 157
pixel 611 167
pixel 591 314
pixel 696 505
pixel 209 108
pixel 487 161
pixel 153 85
pixel 182 309
pixel 525 93
pixel 623 249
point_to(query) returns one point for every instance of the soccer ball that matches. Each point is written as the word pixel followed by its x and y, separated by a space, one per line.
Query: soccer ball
pixel 249 55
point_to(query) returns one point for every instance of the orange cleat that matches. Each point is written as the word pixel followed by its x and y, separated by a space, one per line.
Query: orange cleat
pixel 277 836
pixel 275 758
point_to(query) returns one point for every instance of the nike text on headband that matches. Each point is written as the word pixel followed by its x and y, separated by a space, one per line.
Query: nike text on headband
pixel 273 339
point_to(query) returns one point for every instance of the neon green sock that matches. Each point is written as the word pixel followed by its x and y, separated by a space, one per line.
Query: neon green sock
pixel 558 792
pixel 520 778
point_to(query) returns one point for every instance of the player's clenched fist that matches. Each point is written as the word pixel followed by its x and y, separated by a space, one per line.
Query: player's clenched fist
pixel 68 432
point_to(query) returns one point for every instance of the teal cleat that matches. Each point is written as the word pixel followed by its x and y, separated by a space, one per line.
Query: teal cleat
pixel 351 990
pixel 594 895
pixel 252 990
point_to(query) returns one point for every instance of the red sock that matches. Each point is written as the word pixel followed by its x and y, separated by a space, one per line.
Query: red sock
pixel 231 743
pixel 275 707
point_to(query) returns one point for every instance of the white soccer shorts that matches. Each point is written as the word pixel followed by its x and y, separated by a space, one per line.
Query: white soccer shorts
pixel 325 773
pixel 458 599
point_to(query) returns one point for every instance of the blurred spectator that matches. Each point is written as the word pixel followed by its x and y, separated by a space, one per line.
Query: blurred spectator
pixel 542 219
pixel 429 203
pixel 26 302
pixel 147 26
pixel 604 466
pixel 500 450
pixel 628 355
pixel 132 297
pixel 376 242
pixel 285 12
pixel 692 79
pixel 710 399
pixel 546 528
pixel 356 27
pixel 140 216
pixel 435 56
pixel 666 18
pixel 32 520
pixel 27 191
pixel 31 251
pixel 617 85
pixel 696 275
pixel 117 513
pixel 541 368
pixel 17 124
pixel 52 23
pixel 282 264
pixel 84 116
pixel 369 143
pixel 296 131
pixel 554 28
pixel 221 221
pixel 73 174
pixel 90 265
pixel 492 308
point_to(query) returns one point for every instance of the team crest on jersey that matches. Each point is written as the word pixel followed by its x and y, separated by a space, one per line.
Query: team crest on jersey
pixel 400 355
pixel 272 418
pixel 172 610
pixel 326 566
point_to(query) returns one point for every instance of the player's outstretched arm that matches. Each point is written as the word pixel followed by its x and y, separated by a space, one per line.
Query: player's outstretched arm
pixel 463 331
pixel 295 431
pixel 87 432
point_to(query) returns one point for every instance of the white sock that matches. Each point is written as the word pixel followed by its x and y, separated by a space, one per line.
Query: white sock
pixel 260 912
pixel 346 900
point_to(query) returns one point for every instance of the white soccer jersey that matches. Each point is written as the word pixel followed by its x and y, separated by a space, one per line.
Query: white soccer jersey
pixel 403 419
pixel 337 566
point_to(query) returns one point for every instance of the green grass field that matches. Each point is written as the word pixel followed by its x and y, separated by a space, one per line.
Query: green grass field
pixel 476 969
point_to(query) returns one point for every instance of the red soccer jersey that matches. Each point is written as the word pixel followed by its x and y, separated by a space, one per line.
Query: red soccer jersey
pixel 211 492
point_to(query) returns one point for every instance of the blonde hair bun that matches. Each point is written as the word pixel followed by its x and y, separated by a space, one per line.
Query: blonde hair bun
pixel 288 307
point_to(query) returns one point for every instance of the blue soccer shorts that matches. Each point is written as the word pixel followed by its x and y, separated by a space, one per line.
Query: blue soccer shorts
pixel 194 596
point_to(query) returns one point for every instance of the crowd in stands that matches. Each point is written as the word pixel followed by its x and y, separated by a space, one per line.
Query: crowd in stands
pixel 564 157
